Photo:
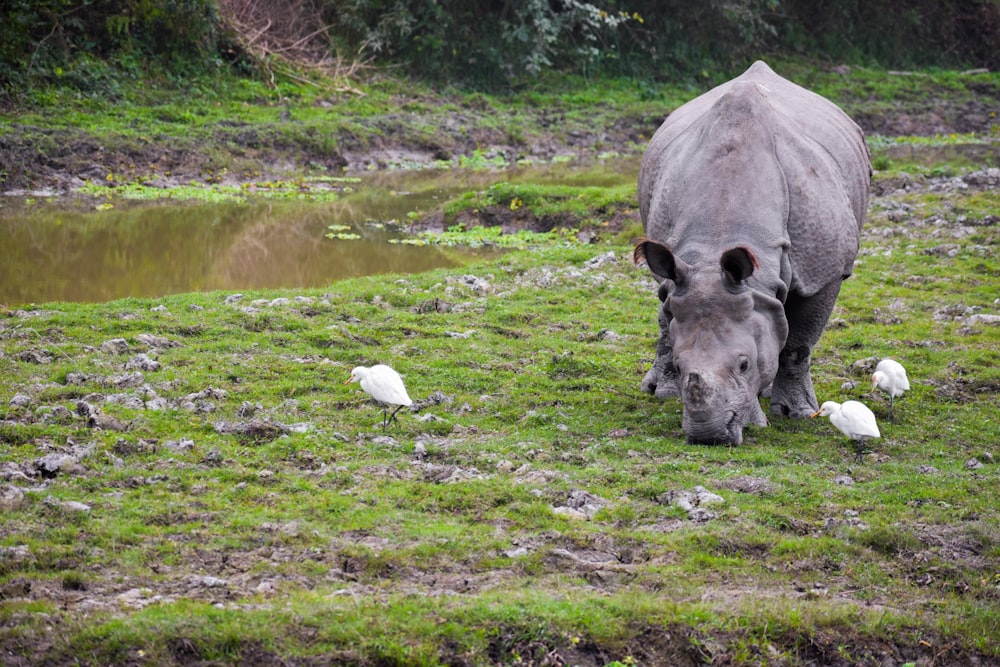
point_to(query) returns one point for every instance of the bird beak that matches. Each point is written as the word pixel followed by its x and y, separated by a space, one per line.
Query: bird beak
pixel 348 380
pixel 815 414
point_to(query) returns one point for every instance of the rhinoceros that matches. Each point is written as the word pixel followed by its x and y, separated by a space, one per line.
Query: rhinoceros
pixel 752 198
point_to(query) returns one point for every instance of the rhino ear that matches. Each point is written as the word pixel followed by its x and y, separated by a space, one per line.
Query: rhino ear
pixel 659 259
pixel 738 264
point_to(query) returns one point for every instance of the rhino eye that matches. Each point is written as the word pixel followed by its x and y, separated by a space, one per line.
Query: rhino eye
pixel 744 364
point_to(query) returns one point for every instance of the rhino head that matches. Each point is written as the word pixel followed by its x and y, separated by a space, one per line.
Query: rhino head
pixel 724 338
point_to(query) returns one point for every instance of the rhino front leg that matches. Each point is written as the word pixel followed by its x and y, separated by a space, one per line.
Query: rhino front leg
pixel 661 378
pixel 792 393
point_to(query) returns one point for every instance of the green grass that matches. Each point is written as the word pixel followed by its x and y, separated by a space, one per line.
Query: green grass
pixel 245 459
pixel 329 537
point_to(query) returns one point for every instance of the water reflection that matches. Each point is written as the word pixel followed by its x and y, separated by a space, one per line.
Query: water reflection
pixel 54 254
pixel 69 251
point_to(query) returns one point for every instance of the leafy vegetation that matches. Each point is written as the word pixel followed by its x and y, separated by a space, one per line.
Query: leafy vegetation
pixel 491 47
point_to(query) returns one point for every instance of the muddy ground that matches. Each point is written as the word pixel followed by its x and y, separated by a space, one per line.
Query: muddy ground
pixel 54 161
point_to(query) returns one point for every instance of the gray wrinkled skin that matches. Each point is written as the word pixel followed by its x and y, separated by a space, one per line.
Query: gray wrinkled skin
pixel 752 197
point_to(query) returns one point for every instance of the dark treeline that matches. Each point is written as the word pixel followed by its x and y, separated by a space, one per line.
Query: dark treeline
pixel 488 44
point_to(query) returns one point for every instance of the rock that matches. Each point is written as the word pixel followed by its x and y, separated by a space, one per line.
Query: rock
pixel 142 362
pixel 138 598
pixel 600 260
pixel 20 400
pixel 155 342
pixel 843 480
pixel 585 502
pixel 694 502
pixel 10 470
pixel 706 498
pixel 982 318
pixel 419 451
pixel 179 446
pixel 126 400
pixel 115 346
pixel 213 457
pixel 98 419
pixel 478 285
pixel 51 465
pixel 866 365
pixel 35 356
pixel 973 464
pixel 76 378
pixel 68 505
pixel 157 404
pixel 133 380
pixel 18 553
pixel 74 506
pixel 519 552
pixel 927 470
pixel 209 581
pixel 18 588
pixel 247 409
pixel 749 484
pixel 701 515
pixel 11 498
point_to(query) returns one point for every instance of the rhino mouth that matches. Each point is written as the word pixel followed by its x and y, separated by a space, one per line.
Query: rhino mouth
pixel 731 433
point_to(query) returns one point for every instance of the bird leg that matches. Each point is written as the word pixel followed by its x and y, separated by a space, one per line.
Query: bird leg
pixel 388 418
pixel 860 451
pixel 891 401
pixel 392 417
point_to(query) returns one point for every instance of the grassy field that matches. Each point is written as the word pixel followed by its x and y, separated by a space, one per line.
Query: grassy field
pixel 227 130
pixel 186 480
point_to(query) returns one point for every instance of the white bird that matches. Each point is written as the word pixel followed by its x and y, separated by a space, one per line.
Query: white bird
pixel 890 377
pixel 854 420
pixel 385 386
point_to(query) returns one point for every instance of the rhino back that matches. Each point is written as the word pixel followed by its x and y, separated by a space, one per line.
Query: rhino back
pixel 760 160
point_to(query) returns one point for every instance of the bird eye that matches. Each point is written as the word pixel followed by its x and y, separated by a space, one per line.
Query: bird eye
pixel 744 364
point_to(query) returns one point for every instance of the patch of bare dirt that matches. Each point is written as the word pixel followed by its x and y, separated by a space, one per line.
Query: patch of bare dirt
pixel 59 160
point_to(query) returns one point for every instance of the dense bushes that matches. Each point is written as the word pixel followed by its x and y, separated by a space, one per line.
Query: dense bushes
pixel 53 39
pixel 501 40
pixel 491 43
pixel 894 33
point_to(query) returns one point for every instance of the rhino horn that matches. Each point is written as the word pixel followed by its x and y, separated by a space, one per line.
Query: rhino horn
pixel 697 389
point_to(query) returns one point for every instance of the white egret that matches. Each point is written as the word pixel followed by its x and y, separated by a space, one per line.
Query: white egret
pixel 890 377
pixel 854 420
pixel 385 386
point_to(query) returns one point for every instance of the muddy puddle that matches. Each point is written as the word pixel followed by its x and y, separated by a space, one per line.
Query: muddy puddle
pixel 71 250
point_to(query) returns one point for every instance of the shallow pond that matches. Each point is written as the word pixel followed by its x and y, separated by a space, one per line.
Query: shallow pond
pixel 68 250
